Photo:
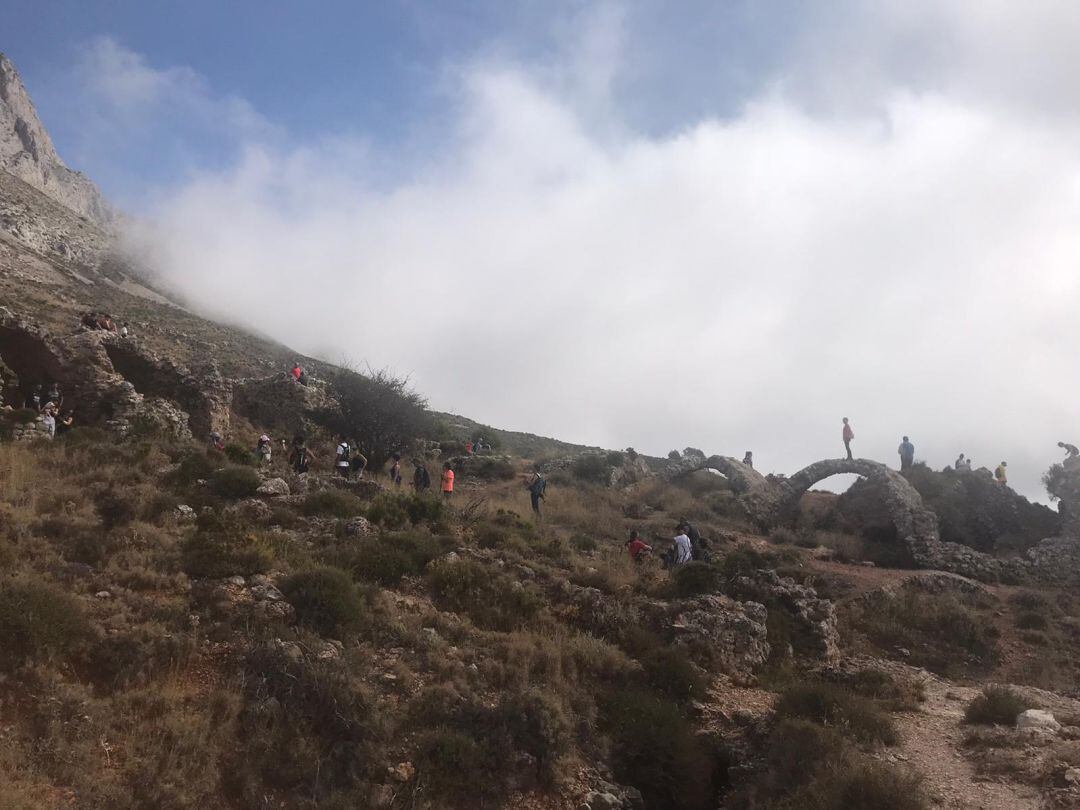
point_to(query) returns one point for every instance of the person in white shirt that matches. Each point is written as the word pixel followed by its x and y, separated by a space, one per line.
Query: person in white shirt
pixel 683 551
pixel 344 455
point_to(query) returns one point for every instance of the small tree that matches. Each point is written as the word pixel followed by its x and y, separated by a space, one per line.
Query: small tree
pixel 379 410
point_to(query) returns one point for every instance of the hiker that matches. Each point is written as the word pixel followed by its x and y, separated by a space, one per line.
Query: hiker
pixel 469 447
pixel 217 441
pixel 359 461
pixel 124 331
pixel 33 399
pixel 299 456
pixel 53 395
pixel 343 455
pixel 537 489
pixel 421 478
pixel 687 528
pixel 264 450
pixel 907 454
pixel 682 551
pixel 297 372
pixel 65 422
pixel 447 481
pixel 848 434
pixel 999 474
pixel 959 465
pixel 638 548
pixel 748 459
pixel 1071 450
pixel 50 421
pixel 395 471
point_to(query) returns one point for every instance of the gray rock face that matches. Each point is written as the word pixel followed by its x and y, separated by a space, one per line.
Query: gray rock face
pixel 27 151
pixel 735 631
pixel 1038 721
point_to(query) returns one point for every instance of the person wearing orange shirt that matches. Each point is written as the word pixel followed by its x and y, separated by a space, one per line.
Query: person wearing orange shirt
pixel 447 481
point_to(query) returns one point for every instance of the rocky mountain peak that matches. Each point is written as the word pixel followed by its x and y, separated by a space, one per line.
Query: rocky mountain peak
pixel 27 152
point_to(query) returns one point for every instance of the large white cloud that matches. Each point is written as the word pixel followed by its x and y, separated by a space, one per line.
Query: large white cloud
pixel 907 259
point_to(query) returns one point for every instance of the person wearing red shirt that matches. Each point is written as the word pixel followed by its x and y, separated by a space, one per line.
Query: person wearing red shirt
pixel 637 547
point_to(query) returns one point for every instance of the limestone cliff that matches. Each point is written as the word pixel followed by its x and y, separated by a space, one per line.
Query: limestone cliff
pixel 27 152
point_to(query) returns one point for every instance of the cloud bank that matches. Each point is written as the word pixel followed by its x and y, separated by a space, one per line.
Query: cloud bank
pixel 878 233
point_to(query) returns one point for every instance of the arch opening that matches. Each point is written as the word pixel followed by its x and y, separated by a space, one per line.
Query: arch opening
pixel 153 380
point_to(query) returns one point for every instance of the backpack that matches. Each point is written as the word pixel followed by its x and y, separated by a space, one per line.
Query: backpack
pixel 539 486
pixel 301 462
pixel 346 451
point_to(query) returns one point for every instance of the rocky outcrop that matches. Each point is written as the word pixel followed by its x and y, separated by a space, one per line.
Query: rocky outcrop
pixel 814 617
pixel 734 632
pixel 27 152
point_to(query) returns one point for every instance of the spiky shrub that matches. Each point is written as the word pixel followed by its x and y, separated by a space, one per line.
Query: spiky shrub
pixel 996 705
pixel 220 547
pixel 332 503
pixel 326 600
pixel 38 619
pixel 234 483
pixel 854 716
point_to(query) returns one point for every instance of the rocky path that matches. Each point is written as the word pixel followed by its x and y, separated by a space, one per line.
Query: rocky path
pixel 932 745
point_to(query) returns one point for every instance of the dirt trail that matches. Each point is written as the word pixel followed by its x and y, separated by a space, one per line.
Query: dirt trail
pixel 932 744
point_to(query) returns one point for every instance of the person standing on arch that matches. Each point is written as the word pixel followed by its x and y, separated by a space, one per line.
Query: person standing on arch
pixel 907 454
pixel 848 434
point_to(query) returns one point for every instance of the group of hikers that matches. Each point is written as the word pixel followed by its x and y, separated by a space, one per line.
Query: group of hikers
pixel 47 403
pixel 906 451
pixel 686 546
pixel 104 322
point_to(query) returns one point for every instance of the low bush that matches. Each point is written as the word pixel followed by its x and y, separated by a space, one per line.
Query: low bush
pixel 655 749
pixel 326 600
pixel 332 503
pixel 193 466
pixel 853 716
pixel 591 467
pixel 695 579
pixel 38 619
pixel 492 600
pixel 388 558
pixel 234 483
pixel 396 510
pixel 1029 620
pixel 863 785
pixel 238 454
pixel 782 536
pixel 995 705
pixel 669 670
pixel 221 548
pixel 485 468
pixel 449 763
pixel 115 508
pixel 896 692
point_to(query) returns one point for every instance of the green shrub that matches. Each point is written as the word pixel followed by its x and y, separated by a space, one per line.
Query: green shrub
pixel 862 785
pixel 221 548
pixel 670 671
pixel 996 705
pixel 584 543
pixel 387 559
pixel 1029 620
pixel 782 536
pixel 655 749
pixel 449 764
pixel 695 578
pixel 852 715
pixel 486 468
pixel 492 600
pixel 234 483
pixel 37 619
pixel 238 454
pixel 396 510
pixel 194 466
pixel 332 503
pixel 115 508
pixel 591 467
pixel 326 600
pixel 893 691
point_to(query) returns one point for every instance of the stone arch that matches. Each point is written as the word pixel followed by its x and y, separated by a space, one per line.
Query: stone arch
pixel 30 358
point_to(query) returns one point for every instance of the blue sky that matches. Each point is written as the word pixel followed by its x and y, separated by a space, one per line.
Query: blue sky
pixel 722 225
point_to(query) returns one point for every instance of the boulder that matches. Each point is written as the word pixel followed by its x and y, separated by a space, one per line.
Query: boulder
pixel 734 631
pixel 273 488
pixel 1037 721
pixel 360 527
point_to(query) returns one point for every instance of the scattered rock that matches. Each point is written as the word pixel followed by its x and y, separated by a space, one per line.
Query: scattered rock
pixel 273 487
pixel 360 527
pixel 103 595
pixel 1037 721
pixel 184 513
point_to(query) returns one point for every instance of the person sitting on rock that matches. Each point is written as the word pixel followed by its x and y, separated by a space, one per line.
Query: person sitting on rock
pixel 264 450
pixel 299 456
pixel 748 459
pixel 1000 474
pixel 638 548
pixel 1071 450
pixel 421 478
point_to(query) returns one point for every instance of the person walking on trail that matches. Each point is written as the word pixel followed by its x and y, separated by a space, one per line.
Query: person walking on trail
pixel 299 456
pixel 748 459
pixel 907 454
pixel 395 471
pixel 1000 474
pixel 637 547
pixel 421 479
pixel 1071 450
pixel 682 551
pixel 343 454
pixel 537 489
pixel 447 480
pixel 264 450
pixel 358 462
pixel 847 434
